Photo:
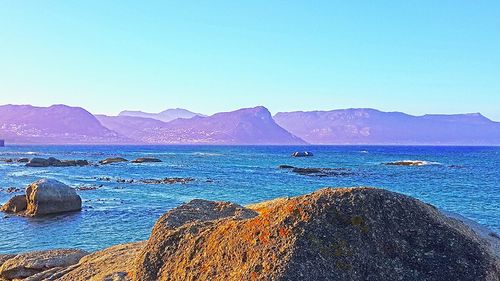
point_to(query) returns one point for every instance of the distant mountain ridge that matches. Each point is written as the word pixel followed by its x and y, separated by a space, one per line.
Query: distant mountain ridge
pixel 371 126
pixel 243 126
pixel 57 124
pixel 165 116
pixel 61 124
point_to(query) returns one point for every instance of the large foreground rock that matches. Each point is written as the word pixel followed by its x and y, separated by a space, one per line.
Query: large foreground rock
pixel 332 234
pixel 49 196
pixel 29 264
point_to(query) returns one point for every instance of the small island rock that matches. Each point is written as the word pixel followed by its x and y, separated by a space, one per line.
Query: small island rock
pixel 302 154
pixel 112 160
pixel 48 196
pixel 146 160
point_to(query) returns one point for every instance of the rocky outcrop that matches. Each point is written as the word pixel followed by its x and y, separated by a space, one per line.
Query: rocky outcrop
pixel 53 162
pixel 146 160
pixel 407 163
pixel 16 204
pixel 49 197
pixel 332 234
pixel 28 264
pixel 112 160
pixel 302 154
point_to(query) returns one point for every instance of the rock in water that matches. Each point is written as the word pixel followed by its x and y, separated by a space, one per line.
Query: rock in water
pixel 112 160
pixel 146 160
pixel 408 163
pixel 332 234
pixel 28 264
pixel 15 205
pixel 302 154
pixel 48 196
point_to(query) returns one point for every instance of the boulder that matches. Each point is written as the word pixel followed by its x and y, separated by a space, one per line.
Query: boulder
pixel 113 263
pixel 302 154
pixel 49 196
pixel 332 234
pixel 16 204
pixel 28 264
pixel 112 160
pixel 146 160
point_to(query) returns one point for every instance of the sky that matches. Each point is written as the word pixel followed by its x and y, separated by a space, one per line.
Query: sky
pixel 414 56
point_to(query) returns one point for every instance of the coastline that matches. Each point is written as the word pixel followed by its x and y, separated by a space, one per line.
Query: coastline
pixel 199 218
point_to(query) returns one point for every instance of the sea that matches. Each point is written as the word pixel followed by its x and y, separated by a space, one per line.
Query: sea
pixel 463 180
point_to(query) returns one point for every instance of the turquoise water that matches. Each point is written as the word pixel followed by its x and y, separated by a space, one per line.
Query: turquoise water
pixel 464 180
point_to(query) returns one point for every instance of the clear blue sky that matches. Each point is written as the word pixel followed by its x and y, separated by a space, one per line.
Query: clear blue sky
pixel 208 56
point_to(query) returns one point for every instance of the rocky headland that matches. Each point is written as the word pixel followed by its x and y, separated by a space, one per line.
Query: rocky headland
pixel 331 234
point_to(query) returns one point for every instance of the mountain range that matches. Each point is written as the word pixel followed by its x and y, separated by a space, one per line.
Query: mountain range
pixel 165 116
pixel 61 124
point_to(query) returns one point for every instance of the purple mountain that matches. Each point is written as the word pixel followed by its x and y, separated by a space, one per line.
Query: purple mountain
pixel 370 126
pixel 57 124
pixel 165 116
pixel 244 126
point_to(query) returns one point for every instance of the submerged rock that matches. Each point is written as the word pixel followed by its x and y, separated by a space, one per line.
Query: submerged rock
pixel 322 172
pixel 112 160
pixel 146 160
pixel 16 204
pixel 285 167
pixel 167 180
pixel 48 196
pixel 302 154
pixel 408 163
pixel 331 234
pixel 25 265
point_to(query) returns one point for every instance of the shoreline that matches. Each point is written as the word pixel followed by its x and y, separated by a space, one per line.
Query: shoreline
pixel 201 214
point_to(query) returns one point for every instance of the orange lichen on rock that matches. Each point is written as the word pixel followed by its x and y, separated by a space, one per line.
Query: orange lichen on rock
pixel 331 234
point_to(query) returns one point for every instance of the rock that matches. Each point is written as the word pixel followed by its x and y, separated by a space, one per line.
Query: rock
pixel 70 163
pixel 167 181
pixel 146 160
pixel 112 263
pixel 4 258
pixel 165 234
pixel 15 205
pixel 23 160
pixel 408 163
pixel 53 162
pixel 42 162
pixel 323 172
pixel 112 160
pixel 29 264
pixel 48 196
pixel 302 154
pixel 285 167
pixel 332 234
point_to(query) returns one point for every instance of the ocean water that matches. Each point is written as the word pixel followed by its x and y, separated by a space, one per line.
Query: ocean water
pixel 464 180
